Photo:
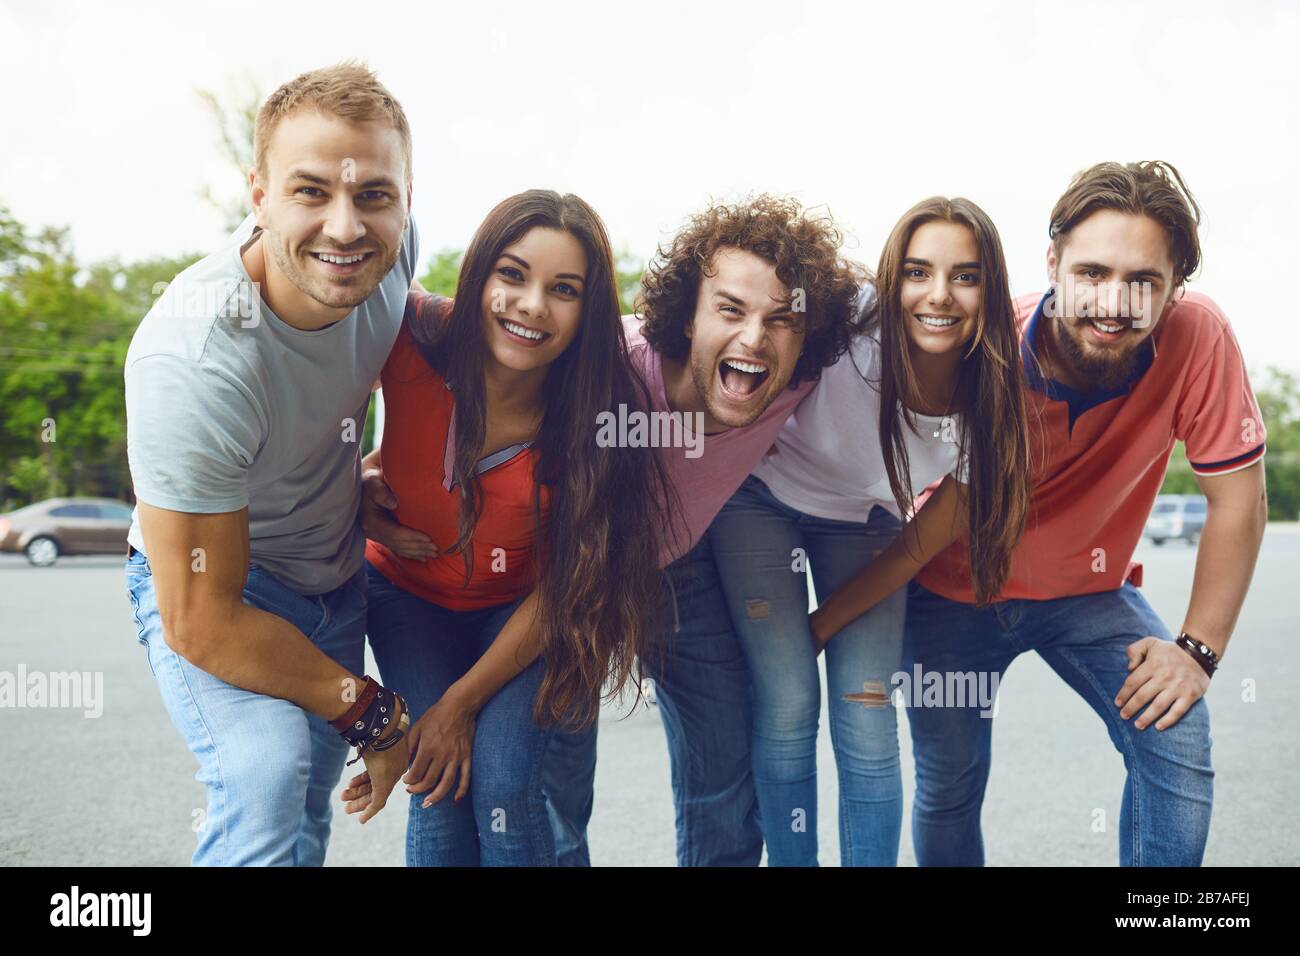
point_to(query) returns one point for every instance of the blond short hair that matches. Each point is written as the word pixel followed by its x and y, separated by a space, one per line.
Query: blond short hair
pixel 350 90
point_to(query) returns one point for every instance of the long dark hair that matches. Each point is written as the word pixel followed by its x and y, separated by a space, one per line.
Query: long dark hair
pixel 994 435
pixel 598 544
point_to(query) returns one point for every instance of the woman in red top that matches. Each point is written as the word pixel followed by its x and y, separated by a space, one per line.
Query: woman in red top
pixel 532 597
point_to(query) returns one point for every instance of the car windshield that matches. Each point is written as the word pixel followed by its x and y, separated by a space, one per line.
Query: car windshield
pixel 1165 507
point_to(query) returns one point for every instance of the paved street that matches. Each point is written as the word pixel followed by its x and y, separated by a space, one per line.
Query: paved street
pixel 119 789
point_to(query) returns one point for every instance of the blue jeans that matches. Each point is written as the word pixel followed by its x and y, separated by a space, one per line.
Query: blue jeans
pixel 754 540
pixel 268 765
pixel 1168 794
pixel 422 649
pixel 702 688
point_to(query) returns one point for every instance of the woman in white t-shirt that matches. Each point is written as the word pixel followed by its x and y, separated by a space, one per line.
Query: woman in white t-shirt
pixel 889 418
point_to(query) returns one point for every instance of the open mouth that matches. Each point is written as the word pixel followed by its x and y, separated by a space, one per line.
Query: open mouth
pixel 938 323
pixel 741 380
pixel 1108 330
pixel 523 334
pixel 341 264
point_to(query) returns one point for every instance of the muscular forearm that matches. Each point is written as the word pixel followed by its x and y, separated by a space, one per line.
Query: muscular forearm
pixel 1225 563
pixel 264 653
pixel 517 646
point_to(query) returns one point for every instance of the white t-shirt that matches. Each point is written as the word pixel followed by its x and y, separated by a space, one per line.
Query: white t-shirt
pixel 829 461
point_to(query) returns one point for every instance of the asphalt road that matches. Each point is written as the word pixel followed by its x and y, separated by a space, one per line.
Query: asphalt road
pixel 118 789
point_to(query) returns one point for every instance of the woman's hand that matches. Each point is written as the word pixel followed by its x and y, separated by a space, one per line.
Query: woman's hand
pixel 441 741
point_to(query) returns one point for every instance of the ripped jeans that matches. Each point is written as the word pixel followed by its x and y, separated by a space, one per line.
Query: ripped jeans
pixel 754 540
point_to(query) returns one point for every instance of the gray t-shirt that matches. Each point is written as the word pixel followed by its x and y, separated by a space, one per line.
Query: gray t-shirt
pixel 229 406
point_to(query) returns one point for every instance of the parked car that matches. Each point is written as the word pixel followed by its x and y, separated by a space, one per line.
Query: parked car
pixel 1176 516
pixel 57 526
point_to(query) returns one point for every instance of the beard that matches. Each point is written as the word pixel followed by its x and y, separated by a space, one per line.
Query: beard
pixel 337 294
pixel 1102 369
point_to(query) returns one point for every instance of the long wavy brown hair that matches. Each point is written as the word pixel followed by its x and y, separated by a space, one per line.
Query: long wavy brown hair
pixel 989 393
pixel 598 543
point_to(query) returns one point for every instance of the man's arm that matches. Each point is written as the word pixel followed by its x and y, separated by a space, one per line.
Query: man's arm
pixel 200 565
pixel 1163 677
pixel 1237 513
pixel 940 522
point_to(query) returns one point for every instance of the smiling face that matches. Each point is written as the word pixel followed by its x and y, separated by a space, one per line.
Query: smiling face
pixel 332 202
pixel 532 300
pixel 1113 277
pixel 745 339
pixel 940 291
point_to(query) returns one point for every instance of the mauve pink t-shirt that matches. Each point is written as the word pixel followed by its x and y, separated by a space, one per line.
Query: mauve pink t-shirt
pixel 703 484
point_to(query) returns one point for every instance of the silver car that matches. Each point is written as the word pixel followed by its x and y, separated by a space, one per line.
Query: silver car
pixel 56 526
pixel 1176 516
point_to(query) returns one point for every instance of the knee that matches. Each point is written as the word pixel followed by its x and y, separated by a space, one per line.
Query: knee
pixel 1186 743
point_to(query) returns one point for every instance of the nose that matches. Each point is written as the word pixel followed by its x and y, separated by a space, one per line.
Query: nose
pixel 1109 301
pixel 342 224
pixel 940 294
pixel 532 300
pixel 752 334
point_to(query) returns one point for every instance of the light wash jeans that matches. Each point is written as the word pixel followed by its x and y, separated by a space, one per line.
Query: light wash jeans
pixel 422 649
pixel 757 542
pixel 269 766
pixel 1169 790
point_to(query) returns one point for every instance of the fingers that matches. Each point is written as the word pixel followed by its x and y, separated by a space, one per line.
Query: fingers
pixel 420 772
pixel 464 780
pixel 1158 706
pixel 1181 706
pixel 1135 680
pixel 444 785
pixel 376 804
pixel 1137 651
pixel 357 799
pixel 1140 698
pixel 377 490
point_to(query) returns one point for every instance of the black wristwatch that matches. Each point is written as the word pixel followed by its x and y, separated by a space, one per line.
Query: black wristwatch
pixel 1202 652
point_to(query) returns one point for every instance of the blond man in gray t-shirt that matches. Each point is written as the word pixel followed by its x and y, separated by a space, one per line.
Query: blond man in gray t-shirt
pixel 247 386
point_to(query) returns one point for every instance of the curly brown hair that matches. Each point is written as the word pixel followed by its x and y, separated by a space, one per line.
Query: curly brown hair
pixel 802 245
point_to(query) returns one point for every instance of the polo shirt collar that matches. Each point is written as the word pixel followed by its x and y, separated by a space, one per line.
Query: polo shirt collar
pixel 1079 401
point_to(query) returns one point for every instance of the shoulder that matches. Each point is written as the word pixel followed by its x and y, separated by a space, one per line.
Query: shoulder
pixel 211 297
pixel 1195 314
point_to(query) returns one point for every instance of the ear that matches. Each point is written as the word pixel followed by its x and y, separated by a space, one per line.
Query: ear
pixel 257 195
pixel 1053 260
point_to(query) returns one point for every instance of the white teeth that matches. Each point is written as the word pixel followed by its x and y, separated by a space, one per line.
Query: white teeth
pixel 340 260
pixel 527 333
pixel 1107 326
pixel 935 322
pixel 752 368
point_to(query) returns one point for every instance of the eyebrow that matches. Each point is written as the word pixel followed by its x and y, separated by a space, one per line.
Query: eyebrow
pixel 969 266
pixel 317 180
pixel 1140 273
pixel 783 306
pixel 524 263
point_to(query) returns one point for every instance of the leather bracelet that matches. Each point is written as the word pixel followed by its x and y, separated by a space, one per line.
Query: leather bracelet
pixel 373 742
pixel 1201 652
pixel 358 708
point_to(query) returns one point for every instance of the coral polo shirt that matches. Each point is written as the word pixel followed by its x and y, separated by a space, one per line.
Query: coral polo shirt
pixel 418 451
pixel 1102 455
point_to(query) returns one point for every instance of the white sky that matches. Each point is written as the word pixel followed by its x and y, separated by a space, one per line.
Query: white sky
pixel 648 109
